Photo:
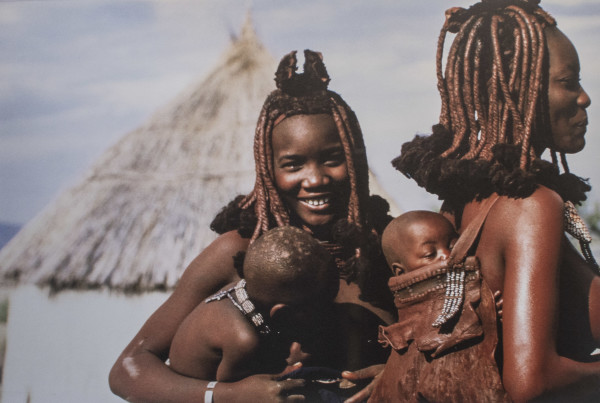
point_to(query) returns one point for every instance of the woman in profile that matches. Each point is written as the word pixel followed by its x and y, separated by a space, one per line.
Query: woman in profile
pixel 511 90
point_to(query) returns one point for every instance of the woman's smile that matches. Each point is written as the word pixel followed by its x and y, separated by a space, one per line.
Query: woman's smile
pixel 319 203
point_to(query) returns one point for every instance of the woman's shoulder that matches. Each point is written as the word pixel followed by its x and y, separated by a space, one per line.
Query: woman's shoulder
pixel 223 249
pixel 229 241
pixel 545 195
pixel 216 263
pixel 541 203
pixel 539 216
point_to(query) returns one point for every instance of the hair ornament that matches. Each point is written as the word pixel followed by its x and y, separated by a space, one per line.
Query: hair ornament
pixel 313 79
pixel 287 68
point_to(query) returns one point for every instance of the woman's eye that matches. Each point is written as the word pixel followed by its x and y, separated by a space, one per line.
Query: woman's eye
pixel 335 160
pixel 334 163
pixel 291 166
pixel 571 83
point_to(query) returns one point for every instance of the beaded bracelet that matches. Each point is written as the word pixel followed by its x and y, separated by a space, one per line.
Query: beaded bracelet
pixel 208 394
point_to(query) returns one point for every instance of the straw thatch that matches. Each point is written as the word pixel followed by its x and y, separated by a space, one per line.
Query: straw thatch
pixel 142 212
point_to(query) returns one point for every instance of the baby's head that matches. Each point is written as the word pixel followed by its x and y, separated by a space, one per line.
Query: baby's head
pixel 416 239
pixel 287 266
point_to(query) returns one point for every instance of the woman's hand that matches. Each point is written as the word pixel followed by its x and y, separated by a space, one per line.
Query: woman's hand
pixel 261 388
pixel 373 372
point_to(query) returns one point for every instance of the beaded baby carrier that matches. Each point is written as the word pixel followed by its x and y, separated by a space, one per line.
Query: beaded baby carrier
pixel 444 343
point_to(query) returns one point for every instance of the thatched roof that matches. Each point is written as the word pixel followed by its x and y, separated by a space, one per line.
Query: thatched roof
pixel 142 212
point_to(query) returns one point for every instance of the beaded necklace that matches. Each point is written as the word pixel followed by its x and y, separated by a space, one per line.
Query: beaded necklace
pixel 575 226
pixel 240 299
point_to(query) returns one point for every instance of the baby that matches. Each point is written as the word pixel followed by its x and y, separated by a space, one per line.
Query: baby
pixel 416 239
pixel 250 326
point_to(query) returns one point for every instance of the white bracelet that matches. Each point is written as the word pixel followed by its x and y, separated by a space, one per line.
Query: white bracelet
pixel 208 394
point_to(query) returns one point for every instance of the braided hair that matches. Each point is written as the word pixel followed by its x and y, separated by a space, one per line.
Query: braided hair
pixel 357 234
pixel 494 114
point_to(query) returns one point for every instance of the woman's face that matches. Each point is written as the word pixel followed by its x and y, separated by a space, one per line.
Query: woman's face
pixel 310 168
pixel 567 101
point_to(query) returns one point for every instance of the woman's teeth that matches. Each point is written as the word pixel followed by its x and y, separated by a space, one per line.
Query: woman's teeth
pixel 317 202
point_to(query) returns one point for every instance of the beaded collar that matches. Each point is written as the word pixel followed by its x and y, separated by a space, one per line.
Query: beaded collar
pixel 240 299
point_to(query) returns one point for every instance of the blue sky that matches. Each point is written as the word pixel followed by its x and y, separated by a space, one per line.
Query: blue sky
pixel 76 75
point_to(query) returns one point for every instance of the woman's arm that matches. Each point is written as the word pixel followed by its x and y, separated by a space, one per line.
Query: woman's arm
pixel 532 249
pixel 140 374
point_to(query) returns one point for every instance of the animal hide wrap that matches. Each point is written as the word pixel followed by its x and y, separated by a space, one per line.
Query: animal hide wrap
pixel 454 362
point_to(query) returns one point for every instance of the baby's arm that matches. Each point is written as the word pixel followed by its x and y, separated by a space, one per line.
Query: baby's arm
pixel 139 373
pixel 215 342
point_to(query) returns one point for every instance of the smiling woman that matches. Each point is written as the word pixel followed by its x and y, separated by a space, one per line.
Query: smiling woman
pixel 311 172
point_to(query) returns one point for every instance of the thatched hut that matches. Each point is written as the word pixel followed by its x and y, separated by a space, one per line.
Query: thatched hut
pixel 96 262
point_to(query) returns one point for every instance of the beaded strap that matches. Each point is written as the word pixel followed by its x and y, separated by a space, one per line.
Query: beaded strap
pixel 455 277
pixel 455 293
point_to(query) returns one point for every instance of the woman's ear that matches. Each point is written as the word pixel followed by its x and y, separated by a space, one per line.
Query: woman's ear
pixel 397 268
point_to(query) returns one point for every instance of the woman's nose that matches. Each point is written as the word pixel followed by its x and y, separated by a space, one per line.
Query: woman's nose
pixel 583 99
pixel 315 176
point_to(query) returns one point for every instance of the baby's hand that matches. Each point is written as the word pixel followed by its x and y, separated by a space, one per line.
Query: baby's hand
pixel 499 302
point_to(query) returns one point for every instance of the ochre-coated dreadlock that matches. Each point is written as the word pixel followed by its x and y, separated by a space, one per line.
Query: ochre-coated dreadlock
pixel 494 114
pixel 263 208
pixel 493 77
